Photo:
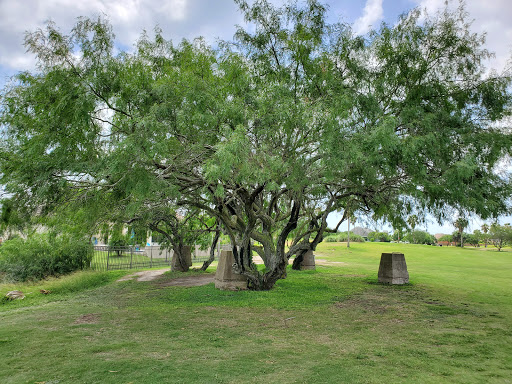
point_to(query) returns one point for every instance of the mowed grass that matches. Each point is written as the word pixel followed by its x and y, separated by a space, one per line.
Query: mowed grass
pixel 451 324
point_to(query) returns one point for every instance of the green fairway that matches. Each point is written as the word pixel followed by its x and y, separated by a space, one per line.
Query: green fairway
pixel 451 324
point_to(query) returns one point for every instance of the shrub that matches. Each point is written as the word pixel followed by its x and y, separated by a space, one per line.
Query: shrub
pixel 118 243
pixel 379 236
pixel 500 235
pixel 448 238
pixel 420 237
pixel 342 237
pixel 467 239
pixel 471 239
pixel 40 256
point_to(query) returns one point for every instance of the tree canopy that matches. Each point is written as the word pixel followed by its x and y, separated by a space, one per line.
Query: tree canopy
pixel 500 235
pixel 269 133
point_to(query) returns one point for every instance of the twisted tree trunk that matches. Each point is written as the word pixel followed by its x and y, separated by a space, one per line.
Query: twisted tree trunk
pixel 180 258
pixel 207 263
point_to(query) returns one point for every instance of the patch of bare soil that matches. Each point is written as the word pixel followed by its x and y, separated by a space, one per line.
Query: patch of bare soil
pixel 368 303
pixel 90 318
pixel 385 299
pixel 145 275
pixel 188 281
pixel 326 262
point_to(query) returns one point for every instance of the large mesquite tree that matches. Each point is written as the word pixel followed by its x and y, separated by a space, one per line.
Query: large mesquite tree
pixel 269 133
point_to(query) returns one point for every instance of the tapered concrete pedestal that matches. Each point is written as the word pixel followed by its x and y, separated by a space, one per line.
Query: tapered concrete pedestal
pixel 225 278
pixel 176 266
pixel 308 262
pixel 393 269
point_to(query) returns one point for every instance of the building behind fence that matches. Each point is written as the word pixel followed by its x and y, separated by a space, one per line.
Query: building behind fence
pixel 107 258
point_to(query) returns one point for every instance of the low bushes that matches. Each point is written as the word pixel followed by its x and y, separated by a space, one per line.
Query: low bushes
pixel 40 256
pixel 343 237
pixel 379 236
pixel 420 237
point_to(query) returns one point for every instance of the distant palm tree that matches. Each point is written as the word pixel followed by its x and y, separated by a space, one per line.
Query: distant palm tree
pixel 485 229
pixel 461 223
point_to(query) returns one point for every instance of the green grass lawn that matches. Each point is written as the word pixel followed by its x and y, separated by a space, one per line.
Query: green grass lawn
pixel 451 324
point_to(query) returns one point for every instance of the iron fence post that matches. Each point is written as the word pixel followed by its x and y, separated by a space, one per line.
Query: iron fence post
pixel 131 257
pixel 108 256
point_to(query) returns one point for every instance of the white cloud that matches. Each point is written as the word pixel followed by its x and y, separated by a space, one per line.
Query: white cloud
pixel 492 17
pixel 372 13
pixel 431 5
pixel 175 9
pixel 16 61
pixel 177 18
pixel 190 18
pixel 123 11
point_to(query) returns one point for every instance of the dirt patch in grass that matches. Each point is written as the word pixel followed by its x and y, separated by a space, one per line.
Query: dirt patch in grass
pixel 90 318
pixel 366 303
pixel 326 262
pixel 187 281
pixel 384 299
pixel 165 281
pixel 145 275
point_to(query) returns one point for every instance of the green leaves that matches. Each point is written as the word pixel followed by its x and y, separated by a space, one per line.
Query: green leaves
pixel 293 120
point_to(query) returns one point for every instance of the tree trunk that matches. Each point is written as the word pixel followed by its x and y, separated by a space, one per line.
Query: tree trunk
pixel 181 260
pixel 264 282
pixel 278 262
pixel 207 263
pixel 299 258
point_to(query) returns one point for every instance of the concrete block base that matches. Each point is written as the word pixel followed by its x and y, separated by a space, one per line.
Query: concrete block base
pixel 225 278
pixel 393 269
pixel 309 261
pixel 175 266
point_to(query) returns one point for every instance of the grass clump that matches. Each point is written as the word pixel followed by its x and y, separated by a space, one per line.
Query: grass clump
pixel 55 288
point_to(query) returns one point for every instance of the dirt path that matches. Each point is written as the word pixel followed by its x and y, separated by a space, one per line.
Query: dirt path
pixel 327 262
pixel 191 280
pixel 186 281
pixel 145 275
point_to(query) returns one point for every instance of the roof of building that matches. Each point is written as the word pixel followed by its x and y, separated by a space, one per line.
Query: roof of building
pixel 361 231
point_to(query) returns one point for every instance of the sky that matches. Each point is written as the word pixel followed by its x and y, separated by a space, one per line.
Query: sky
pixel 216 19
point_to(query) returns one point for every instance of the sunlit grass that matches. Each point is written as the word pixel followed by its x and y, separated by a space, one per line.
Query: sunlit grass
pixel 452 323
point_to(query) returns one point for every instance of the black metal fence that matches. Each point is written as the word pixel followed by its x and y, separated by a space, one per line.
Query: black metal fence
pixel 108 258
